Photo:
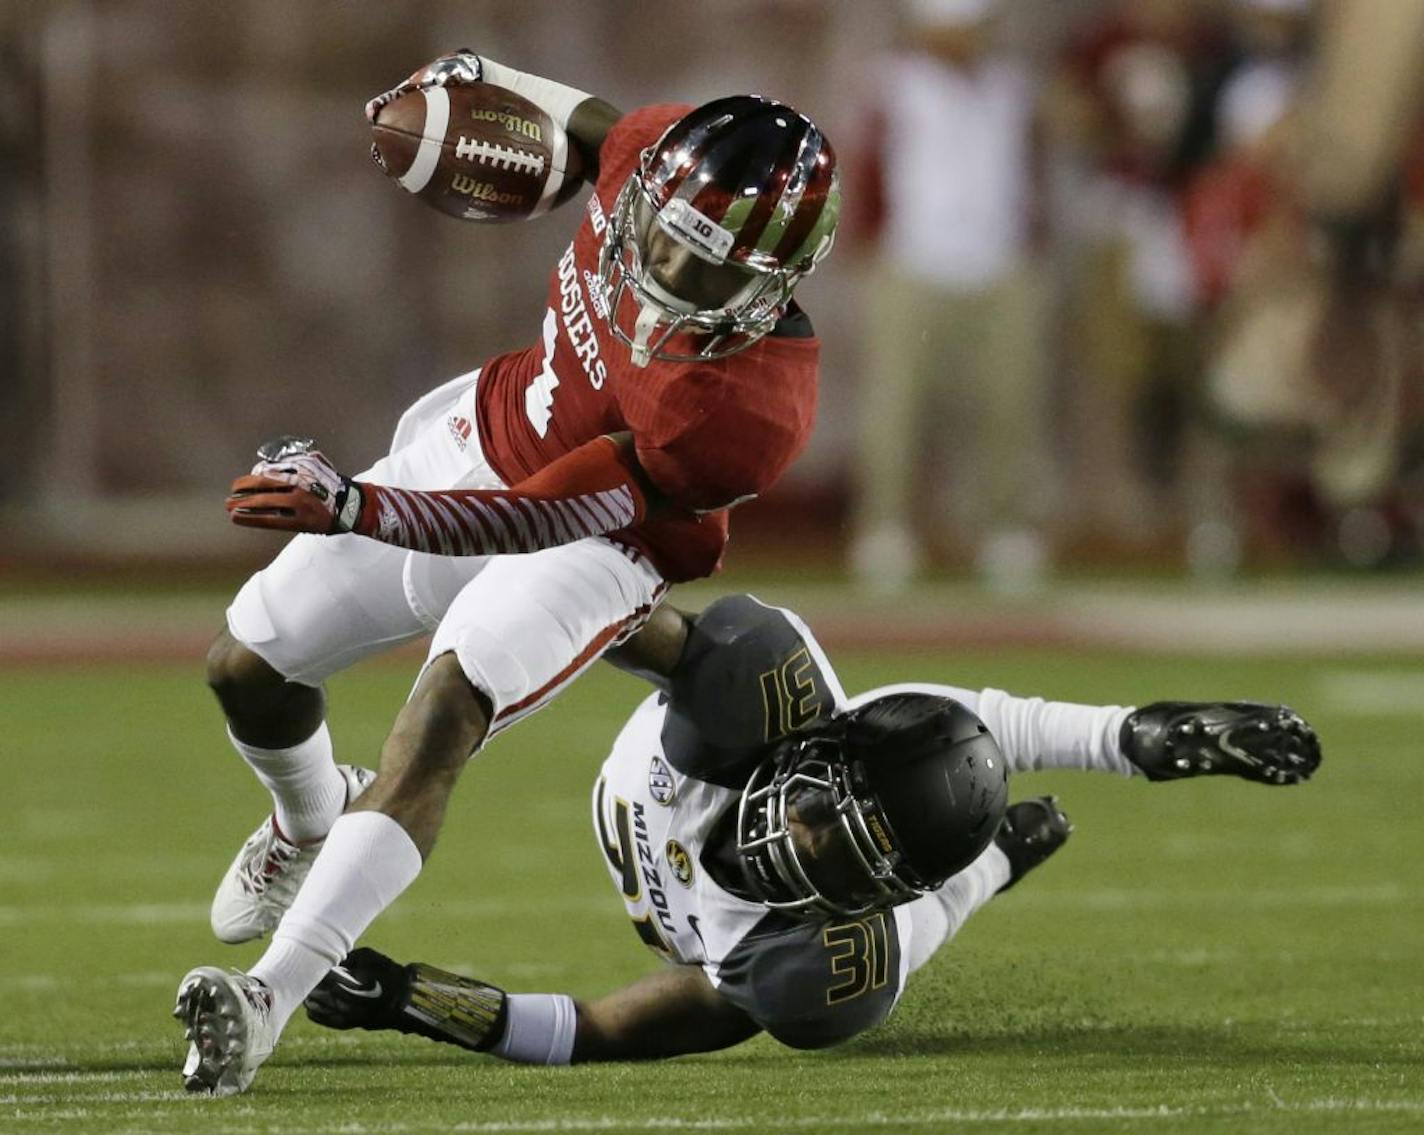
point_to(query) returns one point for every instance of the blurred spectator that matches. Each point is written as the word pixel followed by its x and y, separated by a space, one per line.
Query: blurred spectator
pixel 1313 275
pixel 954 339
pixel 1132 114
pixel 19 190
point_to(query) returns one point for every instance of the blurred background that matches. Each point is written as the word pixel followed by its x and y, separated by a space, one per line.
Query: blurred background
pixel 1120 401
pixel 1120 285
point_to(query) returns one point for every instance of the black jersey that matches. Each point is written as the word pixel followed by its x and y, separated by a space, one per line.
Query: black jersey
pixel 750 675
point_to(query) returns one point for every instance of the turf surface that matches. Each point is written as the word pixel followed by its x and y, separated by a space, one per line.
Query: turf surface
pixel 1209 956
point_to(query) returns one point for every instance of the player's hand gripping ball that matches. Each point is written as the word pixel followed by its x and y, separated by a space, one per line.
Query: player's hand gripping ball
pixel 294 488
pixel 469 148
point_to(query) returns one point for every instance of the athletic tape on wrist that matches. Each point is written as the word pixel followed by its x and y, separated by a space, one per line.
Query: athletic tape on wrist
pixel 539 1030
pixel 555 99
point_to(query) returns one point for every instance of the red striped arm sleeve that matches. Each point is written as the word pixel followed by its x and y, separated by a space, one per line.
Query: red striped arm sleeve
pixel 588 492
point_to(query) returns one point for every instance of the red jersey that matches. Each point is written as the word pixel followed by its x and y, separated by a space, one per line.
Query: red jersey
pixel 707 433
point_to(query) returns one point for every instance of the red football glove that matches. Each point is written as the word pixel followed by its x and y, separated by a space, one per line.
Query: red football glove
pixel 295 489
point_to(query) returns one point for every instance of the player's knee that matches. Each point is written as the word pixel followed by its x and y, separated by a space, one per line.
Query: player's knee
pixel 249 688
pixel 234 671
pixel 443 723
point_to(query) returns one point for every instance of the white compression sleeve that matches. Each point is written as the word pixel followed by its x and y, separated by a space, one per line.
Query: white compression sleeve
pixel 937 917
pixel 1035 734
pixel 539 1029
pixel 555 99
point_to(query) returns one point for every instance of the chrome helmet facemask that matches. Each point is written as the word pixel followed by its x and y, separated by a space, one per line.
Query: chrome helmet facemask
pixel 812 839
pixel 648 317
pixel 654 321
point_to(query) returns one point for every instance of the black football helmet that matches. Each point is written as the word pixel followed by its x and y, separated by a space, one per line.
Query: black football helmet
pixel 879 807
pixel 745 194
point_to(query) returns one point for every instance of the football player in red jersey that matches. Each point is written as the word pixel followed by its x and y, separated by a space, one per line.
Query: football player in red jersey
pixel 531 514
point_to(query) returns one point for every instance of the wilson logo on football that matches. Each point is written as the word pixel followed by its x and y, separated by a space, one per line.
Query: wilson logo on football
pixel 483 191
pixel 513 123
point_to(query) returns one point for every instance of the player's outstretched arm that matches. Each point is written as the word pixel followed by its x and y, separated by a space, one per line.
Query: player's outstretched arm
pixel 670 1013
pixel 595 489
pixel 585 118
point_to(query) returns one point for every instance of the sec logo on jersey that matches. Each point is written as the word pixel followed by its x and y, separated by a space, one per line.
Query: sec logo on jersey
pixel 661 786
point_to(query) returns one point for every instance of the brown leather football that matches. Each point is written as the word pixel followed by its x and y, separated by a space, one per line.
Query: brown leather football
pixel 479 152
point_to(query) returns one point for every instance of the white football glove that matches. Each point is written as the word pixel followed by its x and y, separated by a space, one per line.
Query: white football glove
pixel 324 501
pixel 459 67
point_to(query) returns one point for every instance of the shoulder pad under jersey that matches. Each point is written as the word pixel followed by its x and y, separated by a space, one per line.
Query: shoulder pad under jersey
pixel 749 675
pixel 811 984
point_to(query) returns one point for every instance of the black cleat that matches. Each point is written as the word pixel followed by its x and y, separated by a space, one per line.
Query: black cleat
pixel 1030 832
pixel 1270 744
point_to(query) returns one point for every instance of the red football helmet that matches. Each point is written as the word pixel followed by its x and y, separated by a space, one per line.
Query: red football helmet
pixel 736 202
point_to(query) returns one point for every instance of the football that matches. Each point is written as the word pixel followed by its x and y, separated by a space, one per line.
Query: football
pixel 476 151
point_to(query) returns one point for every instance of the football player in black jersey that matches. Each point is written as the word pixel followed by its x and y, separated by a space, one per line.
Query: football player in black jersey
pixel 797 853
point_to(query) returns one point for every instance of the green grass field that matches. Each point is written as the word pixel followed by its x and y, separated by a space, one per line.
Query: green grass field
pixel 1208 956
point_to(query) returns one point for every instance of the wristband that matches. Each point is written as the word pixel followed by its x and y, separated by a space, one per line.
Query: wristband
pixel 346 515
pixel 554 99
pixel 456 1010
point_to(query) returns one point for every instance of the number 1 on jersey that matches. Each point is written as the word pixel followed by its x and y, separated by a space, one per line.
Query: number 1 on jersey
pixel 539 395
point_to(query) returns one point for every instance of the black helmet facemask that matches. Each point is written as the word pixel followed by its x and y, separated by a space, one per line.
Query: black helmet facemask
pixel 877 809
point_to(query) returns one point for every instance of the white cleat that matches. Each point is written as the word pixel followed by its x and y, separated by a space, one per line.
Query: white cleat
pixel 227 1019
pixel 262 881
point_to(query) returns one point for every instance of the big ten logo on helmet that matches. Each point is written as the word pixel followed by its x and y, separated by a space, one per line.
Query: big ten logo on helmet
pixel 511 122
pixel 700 229
pixel 577 324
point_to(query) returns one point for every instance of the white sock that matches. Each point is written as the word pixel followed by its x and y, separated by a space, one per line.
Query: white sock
pixel 1035 734
pixel 308 793
pixel 539 1029
pixel 366 862
pixel 937 917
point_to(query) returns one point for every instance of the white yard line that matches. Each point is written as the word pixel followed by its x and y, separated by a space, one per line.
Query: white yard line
pixel 1109 898
pixel 62 1077
pixel 1372 693
pixel 1146 898
pixel 1006 1116
pixel 48 982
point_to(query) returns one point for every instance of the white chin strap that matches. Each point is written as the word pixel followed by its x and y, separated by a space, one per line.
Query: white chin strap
pixel 649 317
